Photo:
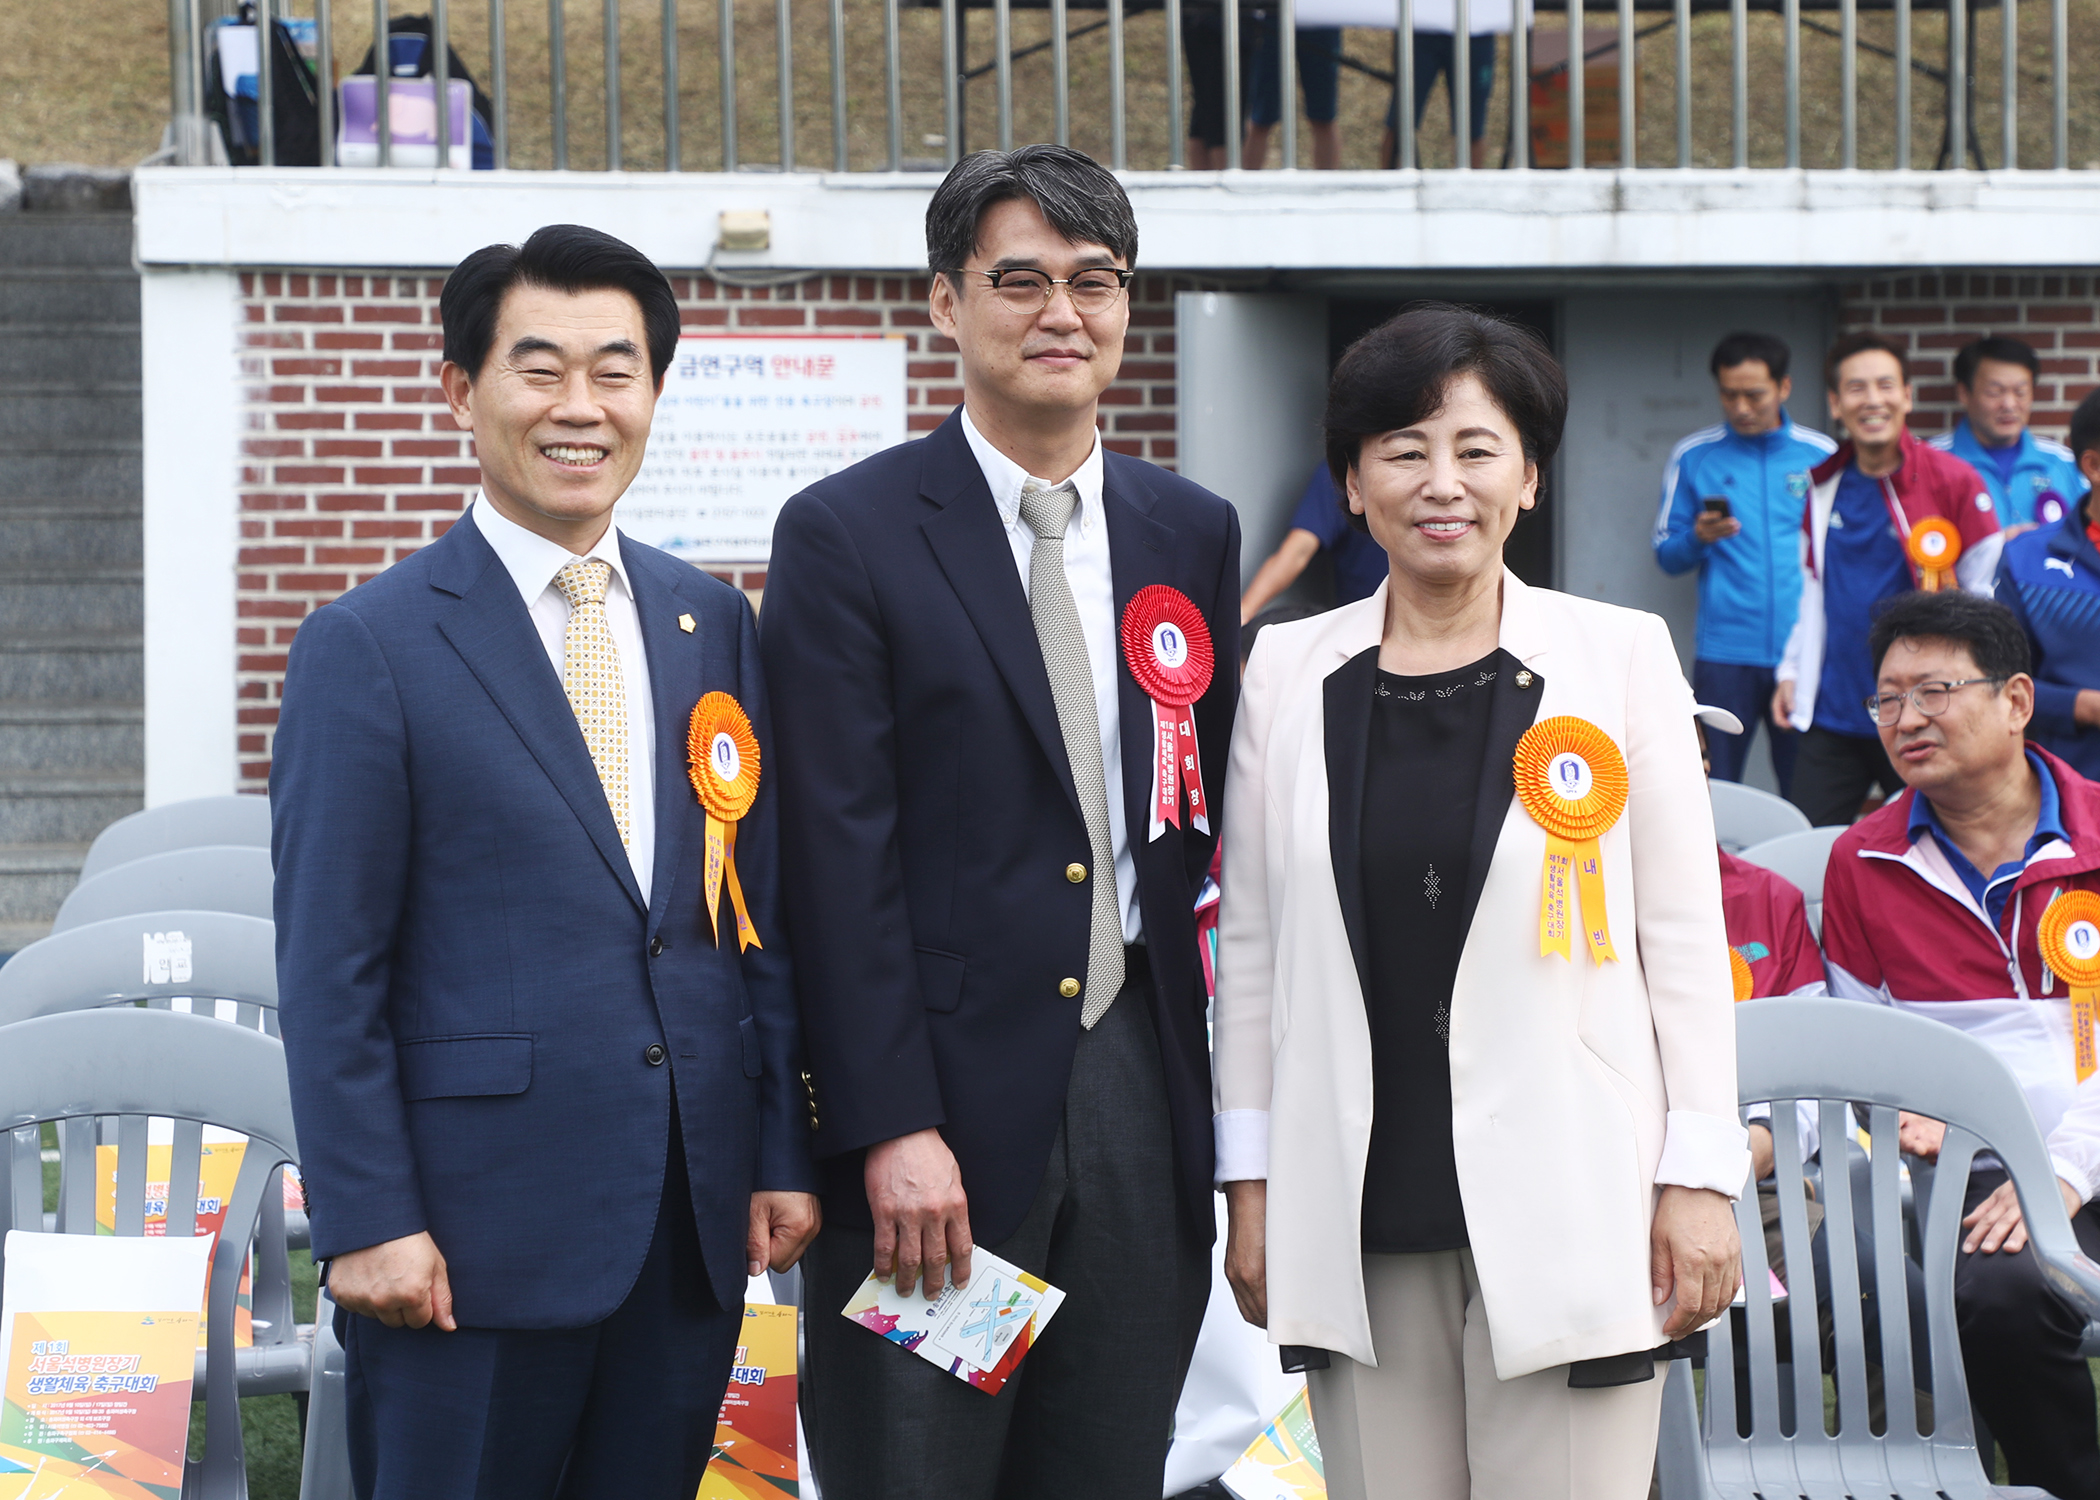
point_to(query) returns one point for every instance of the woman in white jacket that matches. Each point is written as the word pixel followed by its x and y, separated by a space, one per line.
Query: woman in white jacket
pixel 1476 1114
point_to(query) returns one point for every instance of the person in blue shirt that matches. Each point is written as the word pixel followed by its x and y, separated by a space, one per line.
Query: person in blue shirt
pixel 1319 524
pixel 1747 549
pixel 2050 579
pixel 2033 480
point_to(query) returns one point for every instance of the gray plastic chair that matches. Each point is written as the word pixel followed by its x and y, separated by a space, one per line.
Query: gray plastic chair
pixel 179 825
pixel 105 1072
pixel 204 956
pixel 1743 815
pixel 1801 858
pixel 1835 1051
pixel 216 877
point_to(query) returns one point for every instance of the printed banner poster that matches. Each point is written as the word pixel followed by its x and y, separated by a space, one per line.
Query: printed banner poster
pixel 744 424
pixel 217 1169
pixel 755 1438
pixel 1284 1462
pixel 98 1338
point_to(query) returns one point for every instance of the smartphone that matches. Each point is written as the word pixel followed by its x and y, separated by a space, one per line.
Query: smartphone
pixel 1715 505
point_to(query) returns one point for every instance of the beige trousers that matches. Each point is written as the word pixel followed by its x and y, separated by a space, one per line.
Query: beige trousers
pixel 1431 1421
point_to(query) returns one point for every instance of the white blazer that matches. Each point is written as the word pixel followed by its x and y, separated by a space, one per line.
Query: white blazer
pixel 1576 1088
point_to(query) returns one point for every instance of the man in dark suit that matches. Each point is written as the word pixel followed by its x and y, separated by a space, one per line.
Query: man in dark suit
pixel 550 1120
pixel 996 944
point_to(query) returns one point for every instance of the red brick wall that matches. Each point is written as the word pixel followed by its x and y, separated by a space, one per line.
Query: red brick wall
pixel 1933 315
pixel 351 461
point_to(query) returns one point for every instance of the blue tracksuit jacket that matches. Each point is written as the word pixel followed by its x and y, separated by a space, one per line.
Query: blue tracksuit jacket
pixel 1749 584
pixel 2050 578
pixel 2045 479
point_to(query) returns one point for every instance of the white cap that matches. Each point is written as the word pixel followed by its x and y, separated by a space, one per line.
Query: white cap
pixel 1718 718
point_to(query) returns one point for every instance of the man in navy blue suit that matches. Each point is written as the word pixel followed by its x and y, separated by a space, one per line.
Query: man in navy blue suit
pixel 550 1119
pixel 993 913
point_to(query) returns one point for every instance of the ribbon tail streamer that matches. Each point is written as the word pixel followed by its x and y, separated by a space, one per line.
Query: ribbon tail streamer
pixel 1589 870
pixel 746 934
pixel 1191 756
pixel 1166 778
pixel 716 858
pixel 1557 897
pixel 2085 1006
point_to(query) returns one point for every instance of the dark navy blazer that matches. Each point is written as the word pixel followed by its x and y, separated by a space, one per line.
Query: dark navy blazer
pixel 470 984
pixel 928 816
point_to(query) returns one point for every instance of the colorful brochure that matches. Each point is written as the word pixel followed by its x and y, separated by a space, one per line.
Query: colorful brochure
pixel 98 1344
pixel 1284 1462
pixel 979 1333
pixel 755 1435
pixel 217 1169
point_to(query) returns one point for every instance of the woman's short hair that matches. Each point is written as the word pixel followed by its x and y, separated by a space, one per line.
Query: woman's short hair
pixel 560 258
pixel 1400 372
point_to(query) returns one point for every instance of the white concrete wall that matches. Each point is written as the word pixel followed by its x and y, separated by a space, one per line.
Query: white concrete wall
pixel 191 384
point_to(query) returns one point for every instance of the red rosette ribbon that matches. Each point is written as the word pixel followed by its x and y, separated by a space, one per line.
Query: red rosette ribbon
pixel 1167 646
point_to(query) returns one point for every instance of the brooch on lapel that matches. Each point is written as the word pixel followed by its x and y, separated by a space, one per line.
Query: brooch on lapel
pixel 721 752
pixel 1572 780
pixel 1934 546
pixel 1168 648
pixel 2069 937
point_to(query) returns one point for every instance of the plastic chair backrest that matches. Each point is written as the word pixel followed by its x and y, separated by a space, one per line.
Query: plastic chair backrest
pixel 1799 857
pixel 221 877
pixel 1840 1052
pixel 163 959
pixel 118 1068
pixel 1743 815
pixel 179 825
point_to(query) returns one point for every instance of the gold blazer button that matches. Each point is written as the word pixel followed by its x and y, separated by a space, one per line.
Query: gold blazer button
pixel 1068 988
pixel 1075 873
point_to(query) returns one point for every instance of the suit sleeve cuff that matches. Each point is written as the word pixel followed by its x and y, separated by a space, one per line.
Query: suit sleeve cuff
pixel 1704 1151
pixel 1243 1145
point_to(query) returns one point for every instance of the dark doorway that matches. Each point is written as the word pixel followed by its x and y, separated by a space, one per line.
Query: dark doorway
pixel 1529 551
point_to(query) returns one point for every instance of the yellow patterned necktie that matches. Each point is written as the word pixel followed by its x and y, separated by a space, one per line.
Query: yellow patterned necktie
pixel 591 677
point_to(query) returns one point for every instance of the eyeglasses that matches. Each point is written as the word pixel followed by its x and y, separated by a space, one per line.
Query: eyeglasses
pixel 1931 699
pixel 1092 291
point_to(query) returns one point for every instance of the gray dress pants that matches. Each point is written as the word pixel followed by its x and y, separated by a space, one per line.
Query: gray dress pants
pixel 1091 1412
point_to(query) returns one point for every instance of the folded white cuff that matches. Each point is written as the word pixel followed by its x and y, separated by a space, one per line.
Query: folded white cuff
pixel 1242 1137
pixel 1704 1151
pixel 2075 1174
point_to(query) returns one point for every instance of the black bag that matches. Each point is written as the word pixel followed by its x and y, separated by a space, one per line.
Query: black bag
pixel 295 105
pixel 420 26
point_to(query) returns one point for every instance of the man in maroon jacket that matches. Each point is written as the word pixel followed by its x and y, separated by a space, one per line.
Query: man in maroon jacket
pixel 1932 905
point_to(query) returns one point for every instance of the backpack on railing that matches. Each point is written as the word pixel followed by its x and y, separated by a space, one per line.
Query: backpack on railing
pixel 234 105
pixel 408 55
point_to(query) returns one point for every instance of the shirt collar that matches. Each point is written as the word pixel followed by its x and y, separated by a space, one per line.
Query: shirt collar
pixel 531 560
pixel 1005 477
pixel 2048 823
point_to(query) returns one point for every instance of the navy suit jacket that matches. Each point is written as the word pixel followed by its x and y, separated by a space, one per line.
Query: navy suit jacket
pixel 470 983
pixel 928 816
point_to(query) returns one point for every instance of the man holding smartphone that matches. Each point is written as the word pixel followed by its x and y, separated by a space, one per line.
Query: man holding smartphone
pixel 1731 507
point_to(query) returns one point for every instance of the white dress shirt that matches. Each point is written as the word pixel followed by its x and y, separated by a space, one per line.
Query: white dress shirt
pixel 1093 586
pixel 532 562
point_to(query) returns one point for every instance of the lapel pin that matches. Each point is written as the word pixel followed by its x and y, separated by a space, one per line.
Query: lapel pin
pixel 685 623
pixel 1524 679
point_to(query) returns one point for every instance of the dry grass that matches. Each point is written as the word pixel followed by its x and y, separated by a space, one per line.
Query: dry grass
pixel 93 86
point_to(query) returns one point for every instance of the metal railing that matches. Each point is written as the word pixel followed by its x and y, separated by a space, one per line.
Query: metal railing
pixel 889 65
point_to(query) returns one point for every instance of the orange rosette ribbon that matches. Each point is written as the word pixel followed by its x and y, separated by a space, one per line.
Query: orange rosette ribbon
pixel 2069 937
pixel 1934 546
pixel 1739 972
pixel 721 751
pixel 1571 778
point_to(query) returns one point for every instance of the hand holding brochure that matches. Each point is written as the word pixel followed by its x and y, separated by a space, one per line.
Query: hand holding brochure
pixel 978 1333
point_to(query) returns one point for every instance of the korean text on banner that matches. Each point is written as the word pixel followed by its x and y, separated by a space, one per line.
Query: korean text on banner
pixel 745 424
pixel 755 1457
pixel 98 1344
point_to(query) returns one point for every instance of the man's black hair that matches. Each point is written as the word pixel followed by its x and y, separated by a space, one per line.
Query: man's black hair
pixel 1274 614
pixel 1991 632
pixel 1742 347
pixel 560 258
pixel 1078 197
pixel 2004 350
pixel 2085 425
pixel 1397 375
pixel 1859 341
